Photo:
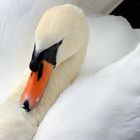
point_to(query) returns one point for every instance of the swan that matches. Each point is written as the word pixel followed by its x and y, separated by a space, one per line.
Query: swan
pixel 60 45
pixel 20 19
pixel 25 122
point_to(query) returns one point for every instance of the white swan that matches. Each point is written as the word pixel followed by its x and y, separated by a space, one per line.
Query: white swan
pixel 63 32
pixel 16 108
pixel 20 19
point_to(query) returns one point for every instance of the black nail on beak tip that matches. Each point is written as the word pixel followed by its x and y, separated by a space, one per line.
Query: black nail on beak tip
pixel 26 106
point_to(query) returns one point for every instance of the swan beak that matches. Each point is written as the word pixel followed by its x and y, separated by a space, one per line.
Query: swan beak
pixel 35 87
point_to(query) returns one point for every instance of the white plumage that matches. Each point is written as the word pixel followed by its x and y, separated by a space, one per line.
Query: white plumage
pixel 73 30
pixel 101 106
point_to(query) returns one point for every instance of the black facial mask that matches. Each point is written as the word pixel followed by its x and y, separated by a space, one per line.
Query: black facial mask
pixel 49 55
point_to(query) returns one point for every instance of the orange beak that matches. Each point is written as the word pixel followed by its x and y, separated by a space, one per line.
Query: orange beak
pixel 35 87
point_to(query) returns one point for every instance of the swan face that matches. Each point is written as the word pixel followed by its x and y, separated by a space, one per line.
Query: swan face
pixel 60 34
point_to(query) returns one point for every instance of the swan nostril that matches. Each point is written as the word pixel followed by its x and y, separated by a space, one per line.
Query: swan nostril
pixel 26 106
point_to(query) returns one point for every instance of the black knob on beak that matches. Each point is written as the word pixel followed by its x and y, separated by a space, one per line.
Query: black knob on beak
pixel 34 65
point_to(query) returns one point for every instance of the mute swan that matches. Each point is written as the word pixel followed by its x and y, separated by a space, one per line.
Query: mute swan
pixel 89 61
pixel 19 19
pixel 61 39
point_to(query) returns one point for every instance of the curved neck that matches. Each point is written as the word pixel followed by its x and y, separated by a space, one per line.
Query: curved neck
pixel 61 77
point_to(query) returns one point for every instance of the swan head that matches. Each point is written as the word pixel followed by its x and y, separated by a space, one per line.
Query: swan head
pixel 60 34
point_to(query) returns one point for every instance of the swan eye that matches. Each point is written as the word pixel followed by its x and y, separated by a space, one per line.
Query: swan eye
pixel 49 55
